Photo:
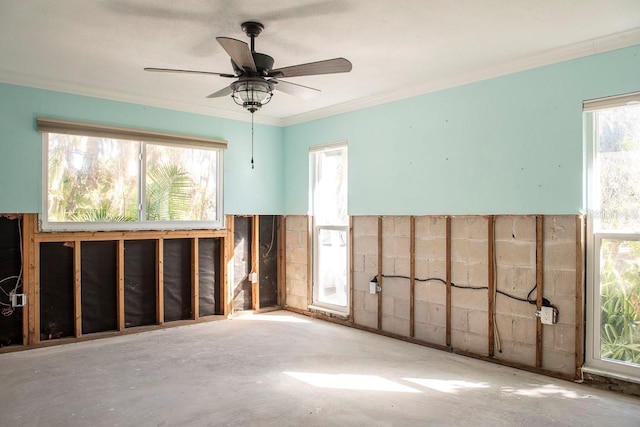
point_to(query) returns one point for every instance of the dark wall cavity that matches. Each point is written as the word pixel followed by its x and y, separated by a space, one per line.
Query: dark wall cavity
pixel 10 266
pixel 268 262
pixel 242 263
pixel 209 302
pixel 177 279
pixel 99 286
pixel 56 290
pixel 139 282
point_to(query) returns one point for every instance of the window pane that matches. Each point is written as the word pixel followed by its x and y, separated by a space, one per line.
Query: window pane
pixel 180 183
pixel 617 202
pixel 92 179
pixel 620 301
pixel 332 266
pixel 330 192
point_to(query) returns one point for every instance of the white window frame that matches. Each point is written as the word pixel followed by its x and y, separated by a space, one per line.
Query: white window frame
pixel 47 126
pixel 316 304
pixel 593 362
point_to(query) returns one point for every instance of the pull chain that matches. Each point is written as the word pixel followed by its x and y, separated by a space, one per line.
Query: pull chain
pixel 251 140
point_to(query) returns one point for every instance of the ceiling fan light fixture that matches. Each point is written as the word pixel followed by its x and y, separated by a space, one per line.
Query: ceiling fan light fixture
pixel 252 93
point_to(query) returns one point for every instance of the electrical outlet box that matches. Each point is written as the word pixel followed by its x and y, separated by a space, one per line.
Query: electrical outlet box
pixel 18 300
pixel 373 287
pixel 548 315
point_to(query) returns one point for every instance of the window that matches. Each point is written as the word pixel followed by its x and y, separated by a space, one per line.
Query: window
pixel 330 227
pixel 98 178
pixel 613 273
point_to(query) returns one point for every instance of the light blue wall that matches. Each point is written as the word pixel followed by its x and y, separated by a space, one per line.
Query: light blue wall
pixel 247 191
pixel 508 145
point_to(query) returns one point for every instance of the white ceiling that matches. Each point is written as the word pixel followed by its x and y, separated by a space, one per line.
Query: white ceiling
pixel 398 48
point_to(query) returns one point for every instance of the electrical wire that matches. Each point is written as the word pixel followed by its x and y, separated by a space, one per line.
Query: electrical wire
pixel 8 309
pixel 545 302
pixel 273 237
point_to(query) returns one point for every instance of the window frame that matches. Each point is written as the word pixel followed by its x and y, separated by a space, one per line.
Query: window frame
pixel 593 362
pixel 47 126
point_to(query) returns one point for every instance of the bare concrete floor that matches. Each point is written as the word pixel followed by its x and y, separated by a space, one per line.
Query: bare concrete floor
pixel 281 369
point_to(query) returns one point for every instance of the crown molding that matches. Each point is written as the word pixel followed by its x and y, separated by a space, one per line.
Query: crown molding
pixel 96 92
pixel 548 57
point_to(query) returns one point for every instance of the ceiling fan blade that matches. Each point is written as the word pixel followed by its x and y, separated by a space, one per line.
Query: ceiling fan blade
pixel 222 92
pixel 303 92
pixel 173 70
pixel 239 52
pixel 328 66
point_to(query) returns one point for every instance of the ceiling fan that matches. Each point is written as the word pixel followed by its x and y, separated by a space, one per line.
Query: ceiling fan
pixel 256 77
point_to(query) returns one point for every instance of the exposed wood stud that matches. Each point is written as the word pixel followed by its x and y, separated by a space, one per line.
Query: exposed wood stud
pixel 491 280
pixel 160 282
pixel 255 262
pixel 225 287
pixel 127 235
pixel 309 260
pixel 77 291
pixel 229 250
pixel 380 272
pixel 30 334
pixel 120 293
pixel 282 261
pixel 539 284
pixel 412 275
pixel 448 279
pixel 579 303
pixel 350 269
pixel 195 278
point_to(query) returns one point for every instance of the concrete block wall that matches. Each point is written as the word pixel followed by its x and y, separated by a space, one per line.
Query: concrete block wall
pixel 396 262
pixel 560 275
pixel 430 296
pixel 514 272
pixel 365 267
pixel 296 259
pixel 515 249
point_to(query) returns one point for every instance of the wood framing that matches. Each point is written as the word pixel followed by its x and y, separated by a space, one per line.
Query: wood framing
pixel 350 269
pixel 580 288
pixel 412 276
pixel 282 261
pixel 491 282
pixel 31 280
pixel 309 260
pixel 448 279
pixel 160 281
pixel 77 291
pixel 380 272
pixel 195 279
pixel 120 292
pixel 539 284
pixel 255 262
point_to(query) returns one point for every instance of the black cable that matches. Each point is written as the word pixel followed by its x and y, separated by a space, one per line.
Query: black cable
pixel 545 302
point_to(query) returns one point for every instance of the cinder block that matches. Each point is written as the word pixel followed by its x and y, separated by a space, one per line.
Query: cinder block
pixel 402 226
pixel 388 227
pixel 472 343
pixel 564 337
pixel 436 314
pixel 358 262
pixel 365 318
pixel 516 279
pixel 515 253
pixel 431 249
pixel 517 352
pixel 358 300
pixel 478 275
pixel 422 268
pixel 437 269
pixel 477 228
pixel 365 226
pixel 459 320
pixel 473 299
pixel 560 283
pixel 560 255
pixel 505 327
pixel 420 311
pixel 371 304
pixel 459 250
pixel 566 310
pixel 294 239
pixel 478 251
pixel 559 228
pixel 402 266
pixel 558 362
pixel 401 308
pixel 460 273
pixel 459 227
pixel 371 264
pixel 516 227
pixel 388 304
pixel 297 222
pixel 361 281
pixel 396 288
pixel 367 245
pixel 395 325
pixel 478 322
pixel 430 333
pixel 524 330
pixel 396 246
pixel 431 226
pixel 514 308
pixel 297 255
pixel 436 292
